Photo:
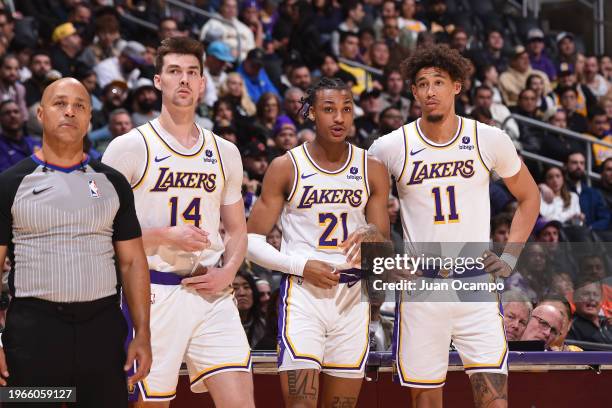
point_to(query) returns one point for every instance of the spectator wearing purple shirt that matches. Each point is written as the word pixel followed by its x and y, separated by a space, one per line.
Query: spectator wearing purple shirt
pixel 537 58
pixel 14 144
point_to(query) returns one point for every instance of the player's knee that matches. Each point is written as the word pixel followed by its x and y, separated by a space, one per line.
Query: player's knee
pixel 239 400
pixel 426 397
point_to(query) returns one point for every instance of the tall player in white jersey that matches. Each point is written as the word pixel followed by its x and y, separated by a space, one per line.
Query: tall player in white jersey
pixel 332 196
pixel 186 181
pixel 442 165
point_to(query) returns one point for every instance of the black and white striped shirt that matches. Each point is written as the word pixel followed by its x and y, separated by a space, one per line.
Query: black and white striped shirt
pixel 59 225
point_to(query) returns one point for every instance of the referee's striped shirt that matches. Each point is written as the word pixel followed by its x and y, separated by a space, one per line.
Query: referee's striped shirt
pixel 59 225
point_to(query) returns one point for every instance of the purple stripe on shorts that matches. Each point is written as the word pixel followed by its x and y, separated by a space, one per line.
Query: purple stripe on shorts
pixel 165 278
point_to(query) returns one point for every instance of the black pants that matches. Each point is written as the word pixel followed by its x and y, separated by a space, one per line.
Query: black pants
pixel 68 344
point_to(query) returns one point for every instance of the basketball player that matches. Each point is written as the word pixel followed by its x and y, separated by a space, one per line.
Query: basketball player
pixel 331 195
pixel 441 164
pixel 185 181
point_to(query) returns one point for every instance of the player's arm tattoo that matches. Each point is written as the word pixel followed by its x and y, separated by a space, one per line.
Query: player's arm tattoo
pixel 302 384
pixel 489 388
pixel 344 402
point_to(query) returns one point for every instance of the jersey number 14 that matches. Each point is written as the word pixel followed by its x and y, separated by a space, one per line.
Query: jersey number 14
pixel 190 214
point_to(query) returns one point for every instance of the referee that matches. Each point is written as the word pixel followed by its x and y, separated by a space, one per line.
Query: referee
pixel 64 219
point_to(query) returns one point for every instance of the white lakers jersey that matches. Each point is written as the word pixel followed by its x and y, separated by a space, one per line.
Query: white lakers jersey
pixel 444 189
pixel 324 207
pixel 177 186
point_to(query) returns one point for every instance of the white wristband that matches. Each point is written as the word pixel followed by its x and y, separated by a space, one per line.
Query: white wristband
pixel 509 259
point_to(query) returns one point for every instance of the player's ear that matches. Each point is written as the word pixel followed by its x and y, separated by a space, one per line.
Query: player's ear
pixel 311 115
pixel 457 86
pixel 157 82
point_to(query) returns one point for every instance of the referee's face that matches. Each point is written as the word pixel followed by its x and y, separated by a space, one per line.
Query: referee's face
pixel 65 111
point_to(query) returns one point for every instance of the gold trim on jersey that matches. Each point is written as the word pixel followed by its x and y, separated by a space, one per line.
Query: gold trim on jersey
pixel 296 181
pixel 189 156
pixel 405 151
pixel 366 182
pixel 478 147
pixel 148 158
pixel 333 173
pixel 214 139
pixel 448 144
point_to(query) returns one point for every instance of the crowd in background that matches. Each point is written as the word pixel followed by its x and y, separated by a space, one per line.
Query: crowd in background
pixel 258 69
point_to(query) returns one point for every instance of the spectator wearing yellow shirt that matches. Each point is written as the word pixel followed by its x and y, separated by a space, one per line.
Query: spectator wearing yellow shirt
pixel 349 49
pixel 599 128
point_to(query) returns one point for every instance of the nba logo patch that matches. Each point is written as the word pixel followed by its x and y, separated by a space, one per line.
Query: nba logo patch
pixel 465 140
pixel 93 189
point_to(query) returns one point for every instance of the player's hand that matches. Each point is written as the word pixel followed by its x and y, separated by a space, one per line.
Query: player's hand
pixel 3 368
pixel 547 194
pixel 210 280
pixel 321 274
pixel 139 350
pixel 495 266
pixel 188 238
pixel 351 247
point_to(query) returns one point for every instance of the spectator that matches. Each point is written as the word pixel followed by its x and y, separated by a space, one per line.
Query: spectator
pixel 483 98
pixel 585 100
pixel 249 308
pixel 560 303
pixel 531 274
pixel 107 43
pixel 390 120
pixel 275 237
pixel 349 49
pixel 168 27
pixel 393 90
pixel 268 111
pixel 15 145
pixel 285 135
pixel 597 214
pixel 500 228
pixel 605 67
pixel 513 80
pixel 459 40
pixel 547 231
pixel 7 27
pixel 367 125
pixel 492 53
pixel 305 37
pixel 487 75
pixel 40 65
pixel 254 76
pixel 593 268
pixel 292 105
pixel 125 67
pixel 379 57
pixel 299 77
pixel 606 104
pixel 330 68
pixel 517 311
pixel 545 323
pixel 119 123
pixel 381 327
pixel 218 58
pixel 415 111
pixel 576 121
pixel 388 8
pixel 66 49
pixel 545 103
pixel 605 184
pixel 89 79
pixel 10 88
pixel 249 15
pixel 224 112
pixel 441 22
pixel 393 209
pixel 598 85
pixel 226 32
pixel 144 102
pixel 531 136
pixel 113 97
pixel 567 49
pixel 558 146
pixel 407 22
pixel 235 90
pixel 587 324
pixel 265 290
pixel 392 37
pixel 353 16
pixel 537 58
pixel 599 127
pixel 255 160
pixel 564 206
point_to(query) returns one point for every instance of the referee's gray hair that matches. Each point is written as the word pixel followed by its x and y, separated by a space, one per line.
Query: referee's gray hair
pixel 118 112
pixel 515 296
